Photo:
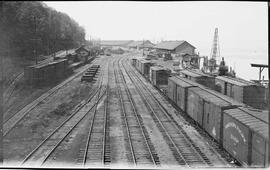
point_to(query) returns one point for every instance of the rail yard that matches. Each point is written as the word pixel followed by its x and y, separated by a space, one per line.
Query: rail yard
pixel 122 89
pixel 120 119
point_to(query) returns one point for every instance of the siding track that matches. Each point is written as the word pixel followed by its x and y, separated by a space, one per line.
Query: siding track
pixel 185 150
pixel 142 151
pixel 44 150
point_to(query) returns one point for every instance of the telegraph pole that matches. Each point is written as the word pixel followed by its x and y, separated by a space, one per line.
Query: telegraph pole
pixel 35 44
pixel 143 47
pixel 66 40
pixel 1 87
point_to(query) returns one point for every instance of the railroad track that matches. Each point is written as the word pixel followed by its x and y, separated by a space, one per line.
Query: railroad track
pixel 214 147
pixel 10 123
pixel 11 87
pixel 45 149
pixel 142 151
pixel 184 149
pixel 97 149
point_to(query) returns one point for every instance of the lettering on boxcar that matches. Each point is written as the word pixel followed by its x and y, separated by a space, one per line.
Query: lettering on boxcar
pixel 234 139
pixel 214 132
pixel 233 125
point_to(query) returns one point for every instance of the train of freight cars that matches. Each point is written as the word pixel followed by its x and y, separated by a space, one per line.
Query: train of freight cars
pixel 238 128
pixel 241 90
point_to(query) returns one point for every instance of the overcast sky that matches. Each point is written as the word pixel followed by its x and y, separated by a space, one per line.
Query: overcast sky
pixel 242 25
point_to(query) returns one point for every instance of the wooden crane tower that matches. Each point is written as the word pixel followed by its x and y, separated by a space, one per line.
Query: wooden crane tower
pixel 215 53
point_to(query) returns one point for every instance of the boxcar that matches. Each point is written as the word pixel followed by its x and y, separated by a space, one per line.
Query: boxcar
pixel 206 109
pixel 245 135
pixel 46 73
pixel 178 91
pixel 172 88
pixel 217 94
pixel 133 62
pixel 158 75
pixel 145 67
pixel 199 77
pixel 241 90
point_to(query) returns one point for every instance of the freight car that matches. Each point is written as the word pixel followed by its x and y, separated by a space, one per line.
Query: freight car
pixel 202 104
pixel 178 86
pixel 245 135
pixel 211 110
pixel 199 77
pixel 45 74
pixel 143 66
pixel 133 62
pixel 158 76
pixel 241 90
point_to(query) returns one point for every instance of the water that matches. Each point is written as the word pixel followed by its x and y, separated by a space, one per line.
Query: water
pixel 241 60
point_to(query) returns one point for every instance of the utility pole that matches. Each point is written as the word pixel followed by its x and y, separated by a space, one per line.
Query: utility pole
pixel 143 47
pixel 1 86
pixel 49 37
pixel 66 40
pixel 35 44
pixel 54 43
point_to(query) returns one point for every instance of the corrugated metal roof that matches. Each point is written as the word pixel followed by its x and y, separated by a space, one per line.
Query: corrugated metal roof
pixel 170 45
pixel 250 121
pixel 235 81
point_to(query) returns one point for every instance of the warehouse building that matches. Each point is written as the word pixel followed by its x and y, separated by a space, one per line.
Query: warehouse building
pixel 141 45
pixel 115 43
pixel 176 47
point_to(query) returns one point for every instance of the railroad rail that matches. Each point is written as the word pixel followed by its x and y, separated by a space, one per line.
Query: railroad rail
pixel 44 150
pixel 184 149
pixel 10 123
pixel 142 153
pixel 97 149
pixel 11 86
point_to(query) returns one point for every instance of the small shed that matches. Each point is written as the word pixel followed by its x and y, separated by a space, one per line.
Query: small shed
pixel 82 53
pixel 241 90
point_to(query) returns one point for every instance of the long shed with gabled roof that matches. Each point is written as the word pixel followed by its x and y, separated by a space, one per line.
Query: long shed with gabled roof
pixel 176 47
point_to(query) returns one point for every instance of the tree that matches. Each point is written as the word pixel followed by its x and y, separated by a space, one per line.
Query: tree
pixel 54 30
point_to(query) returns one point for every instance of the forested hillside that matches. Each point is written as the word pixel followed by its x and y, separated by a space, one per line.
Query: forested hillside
pixel 27 26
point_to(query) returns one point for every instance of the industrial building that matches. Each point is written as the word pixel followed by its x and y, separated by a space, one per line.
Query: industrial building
pixel 141 45
pixel 115 43
pixel 176 47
